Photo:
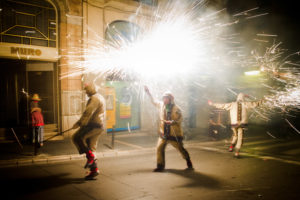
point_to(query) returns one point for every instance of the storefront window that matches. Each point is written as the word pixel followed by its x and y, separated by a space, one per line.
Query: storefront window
pixel 31 22
pixel 119 33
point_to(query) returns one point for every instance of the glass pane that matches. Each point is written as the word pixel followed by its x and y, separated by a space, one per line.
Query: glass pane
pixel 39 42
pixel 52 34
pixel 52 24
pixel 52 44
pixel 42 22
pixel 23 31
pixel 121 32
pixel 25 20
pixel 26 40
pixel 11 39
pixel 34 19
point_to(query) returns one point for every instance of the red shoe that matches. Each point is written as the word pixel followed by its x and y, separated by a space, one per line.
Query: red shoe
pixel 230 148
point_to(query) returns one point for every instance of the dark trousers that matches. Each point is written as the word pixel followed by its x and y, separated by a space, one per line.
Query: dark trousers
pixel 161 146
pixel 86 139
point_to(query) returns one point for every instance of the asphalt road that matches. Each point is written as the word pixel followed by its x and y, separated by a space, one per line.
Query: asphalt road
pixel 217 175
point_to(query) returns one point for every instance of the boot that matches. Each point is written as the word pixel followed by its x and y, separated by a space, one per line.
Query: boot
pixel 90 159
pixel 189 164
pixel 237 154
pixel 93 172
pixel 159 168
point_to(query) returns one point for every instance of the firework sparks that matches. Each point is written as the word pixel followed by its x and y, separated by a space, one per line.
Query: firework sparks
pixel 266 35
pixel 292 126
pixel 271 134
pixel 177 43
pixel 170 46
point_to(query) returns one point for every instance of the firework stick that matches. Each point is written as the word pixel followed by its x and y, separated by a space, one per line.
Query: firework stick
pixel 16 138
pixel 61 133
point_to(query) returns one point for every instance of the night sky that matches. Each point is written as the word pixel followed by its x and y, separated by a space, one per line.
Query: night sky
pixel 282 20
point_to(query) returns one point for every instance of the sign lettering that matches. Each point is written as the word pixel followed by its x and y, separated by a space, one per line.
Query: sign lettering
pixel 25 51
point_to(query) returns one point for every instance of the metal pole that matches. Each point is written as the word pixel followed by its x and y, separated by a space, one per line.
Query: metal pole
pixel 36 143
pixel 113 137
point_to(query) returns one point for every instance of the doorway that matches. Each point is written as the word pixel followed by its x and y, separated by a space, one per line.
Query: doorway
pixel 19 80
pixel 41 81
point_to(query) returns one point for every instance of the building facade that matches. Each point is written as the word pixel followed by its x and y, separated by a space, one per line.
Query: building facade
pixel 39 42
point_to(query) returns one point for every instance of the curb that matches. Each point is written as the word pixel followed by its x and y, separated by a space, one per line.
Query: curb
pixel 114 153
pixel 72 157
pixel 262 157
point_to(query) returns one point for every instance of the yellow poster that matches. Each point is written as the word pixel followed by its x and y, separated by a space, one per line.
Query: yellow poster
pixel 125 110
pixel 110 96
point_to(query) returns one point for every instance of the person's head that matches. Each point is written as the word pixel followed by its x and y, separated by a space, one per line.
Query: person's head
pixel 35 97
pixel 89 89
pixel 168 98
pixel 240 97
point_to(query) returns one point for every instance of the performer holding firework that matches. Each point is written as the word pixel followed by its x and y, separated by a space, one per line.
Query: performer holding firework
pixel 170 130
pixel 91 126
pixel 239 119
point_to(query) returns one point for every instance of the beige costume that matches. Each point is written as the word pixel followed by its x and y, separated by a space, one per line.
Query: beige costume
pixel 172 133
pixel 91 125
pixel 238 117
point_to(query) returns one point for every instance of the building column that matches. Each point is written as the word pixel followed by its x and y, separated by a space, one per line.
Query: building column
pixel 71 77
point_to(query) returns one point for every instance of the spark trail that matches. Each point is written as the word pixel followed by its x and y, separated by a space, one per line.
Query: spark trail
pixel 179 44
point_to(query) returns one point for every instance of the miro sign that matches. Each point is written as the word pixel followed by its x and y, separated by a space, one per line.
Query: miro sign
pixel 28 52
pixel 25 51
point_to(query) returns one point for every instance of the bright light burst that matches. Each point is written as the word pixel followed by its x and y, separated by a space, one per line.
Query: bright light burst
pixel 178 42
pixel 174 42
pixel 171 48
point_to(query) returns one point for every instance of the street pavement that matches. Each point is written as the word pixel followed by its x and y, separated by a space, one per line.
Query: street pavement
pixel 217 175
pixel 257 143
pixel 268 169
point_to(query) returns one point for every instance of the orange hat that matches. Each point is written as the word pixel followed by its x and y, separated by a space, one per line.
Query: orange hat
pixel 35 97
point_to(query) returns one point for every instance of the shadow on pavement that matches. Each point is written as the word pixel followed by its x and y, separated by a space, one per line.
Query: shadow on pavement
pixel 24 186
pixel 197 179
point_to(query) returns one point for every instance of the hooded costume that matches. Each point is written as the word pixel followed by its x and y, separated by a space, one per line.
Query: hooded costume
pixel 169 133
pixel 238 117
pixel 91 126
pixel 238 110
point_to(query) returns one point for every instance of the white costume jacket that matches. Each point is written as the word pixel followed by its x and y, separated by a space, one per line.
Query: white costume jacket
pixel 238 110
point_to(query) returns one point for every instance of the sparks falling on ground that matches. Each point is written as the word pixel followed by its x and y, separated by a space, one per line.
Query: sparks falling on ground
pixel 178 44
